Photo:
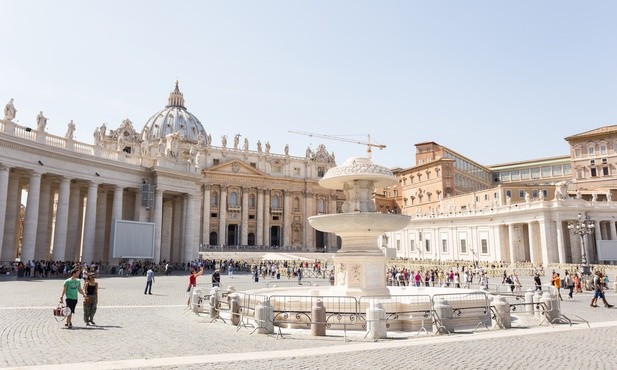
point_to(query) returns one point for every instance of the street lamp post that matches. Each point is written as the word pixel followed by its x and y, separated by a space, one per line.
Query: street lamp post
pixel 584 226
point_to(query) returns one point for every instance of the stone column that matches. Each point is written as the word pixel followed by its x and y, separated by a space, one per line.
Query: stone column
pixel 189 229
pixel 73 240
pixel 612 230
pixel 260 217
pixel 561 251
pixel 13 206
pixel 547 241
pixel 534 256
pixel 62 219
pixel 158 223
pixel 4 188
pixel 244 233
pixel 512 243
pixel 116 214
pixel 592 253
pixel 139 212
pixel 168 214
pixel 309 211
pixel 90 223
pixel 287 216
pixel 32 218
pixel 205 233
pixel 223 216
pixel 41 249
pixel 266 210
pixel 177 246
pixel 101 218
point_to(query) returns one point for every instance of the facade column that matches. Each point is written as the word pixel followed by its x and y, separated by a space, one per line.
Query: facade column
pixel 244 232
pixel 534 249
pixel 116 214
pixel 158 222
pixel 139 213
pixel 166 232
pixel 561 250
pixel 612 230
pixel 32 218
pixel 266 210
pixel 287 215
pixel 547 240
pixel 223 216
pixel 90 223
pixel 62 220
pixel 177 248
pixel 73 233
pixel 205 227
pixel 189 229
pixel 308 230
pixel 260 217
pixel 13 207
pixel 511 242
pixel 4 188
pixel 592 251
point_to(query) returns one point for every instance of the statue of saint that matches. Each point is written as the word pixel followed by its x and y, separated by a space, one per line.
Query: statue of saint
pixel 527 197
pixel 145 146
pixel 208 140
pixel 267 147
pixel 286 149
pixel 609 196
pixel 245 147
pixel 259 146
pixel 41 121
pixel 9 111
pixel 236 141
pixel 201 139
pixel 224 141
pixel 198 160
pixel 309 153
pixel 97 136
pixel 70 130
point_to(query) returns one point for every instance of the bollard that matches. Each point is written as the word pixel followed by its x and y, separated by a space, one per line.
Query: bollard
pixel 529 307
pixel 536 300
pixel 444 312
pixel 195 306
pixel 376 321
pixel 615 286
pixel 318 313
pixel 234 303
pixel 264 315
pixel 551 312
pixel 503 320
pixel 214 302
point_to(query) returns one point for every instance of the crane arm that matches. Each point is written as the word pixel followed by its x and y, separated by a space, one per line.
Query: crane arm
pixel 339 138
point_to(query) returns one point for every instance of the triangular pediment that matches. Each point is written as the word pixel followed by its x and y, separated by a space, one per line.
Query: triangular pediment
pixel 606 130
pixel 235 167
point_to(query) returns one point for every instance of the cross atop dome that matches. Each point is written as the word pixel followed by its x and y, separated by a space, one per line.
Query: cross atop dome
pixel 176 99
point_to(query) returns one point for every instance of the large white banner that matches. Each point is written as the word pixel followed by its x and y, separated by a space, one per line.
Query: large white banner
pixel 133 239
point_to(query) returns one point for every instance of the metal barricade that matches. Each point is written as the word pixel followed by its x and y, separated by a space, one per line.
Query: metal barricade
pixel 403 312
pixel 467 311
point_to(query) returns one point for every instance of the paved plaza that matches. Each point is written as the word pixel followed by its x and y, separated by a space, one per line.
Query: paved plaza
pixel 157 331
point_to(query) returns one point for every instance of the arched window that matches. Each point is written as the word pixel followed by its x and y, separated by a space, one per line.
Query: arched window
pixel 251 201
pixel 321 206
pixel 214 199
pixel 296 204
pixel 275 201
pixel 233 199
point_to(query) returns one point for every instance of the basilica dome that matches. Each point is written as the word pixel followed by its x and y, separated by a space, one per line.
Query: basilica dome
pixel 174 118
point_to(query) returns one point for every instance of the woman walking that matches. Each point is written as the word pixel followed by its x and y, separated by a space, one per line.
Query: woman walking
pixel 91 287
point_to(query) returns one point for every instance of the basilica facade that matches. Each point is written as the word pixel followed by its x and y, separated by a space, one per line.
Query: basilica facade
pixel 59 198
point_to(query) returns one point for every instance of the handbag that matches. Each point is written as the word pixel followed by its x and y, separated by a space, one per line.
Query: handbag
pixel 188 289
pixel 61 311
pixel 88 300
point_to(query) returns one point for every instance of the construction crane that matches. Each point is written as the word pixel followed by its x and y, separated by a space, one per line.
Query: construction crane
pixel 368 143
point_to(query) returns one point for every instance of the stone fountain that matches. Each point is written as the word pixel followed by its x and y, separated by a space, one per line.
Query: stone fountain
pixel 360 264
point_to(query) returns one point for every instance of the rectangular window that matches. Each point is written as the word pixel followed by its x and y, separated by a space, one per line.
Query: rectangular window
pixel 214 215
pixel 593 172
pixel 535 173
pixel 605 171
pixel 545 192
pixel 602 149
pixel 546 171
pixel 521 193
pixel 534 193
pixel 398 245
pixel 215 162
pixel 591 151
pixel 485 196
pixel 427 243
pixel 526 174
pixel 516 175
pixel 412 245
pixel 251 217
pixel 577 153
pixel 484 244
pixel 509 193
pixel 463 245
pixel 579 174
pixel 321 171
pixel 253 164
pixel 557 170
pixel 395 193
pixel 444 246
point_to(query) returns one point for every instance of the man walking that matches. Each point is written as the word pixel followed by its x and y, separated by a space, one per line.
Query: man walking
pixel 149 281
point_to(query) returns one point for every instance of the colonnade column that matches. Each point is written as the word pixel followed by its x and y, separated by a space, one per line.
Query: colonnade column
pixel 90 223
pixel 62 220
pixel 72 232
pixel 41 249
pixel 287 212
pixel 205 232
pixel 533 244
pixel 561 251
pixel 260 217
pixel 32 217
pixel 13 207
pixel 116 214
pixel 244 234
pixel 223 216
pixel 511 240
pixel 4 185
pixel 158 221
pixel 165 232
pixel 592 253
pixel 547 235
pixel 189 229
pixel 101 218
pixel 308 230
pixel 266 217
pixel 612 230
pixel 177 247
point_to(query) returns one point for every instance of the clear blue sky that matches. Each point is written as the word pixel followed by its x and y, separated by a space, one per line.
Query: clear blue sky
pixel 497 81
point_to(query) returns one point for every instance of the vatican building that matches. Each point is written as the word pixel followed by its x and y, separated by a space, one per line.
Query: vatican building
pixel 160 189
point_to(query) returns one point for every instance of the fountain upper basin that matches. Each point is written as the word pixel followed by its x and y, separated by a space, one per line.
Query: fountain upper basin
pixel 359 222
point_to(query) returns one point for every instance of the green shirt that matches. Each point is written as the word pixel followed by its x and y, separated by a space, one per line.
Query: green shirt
pixel 71 286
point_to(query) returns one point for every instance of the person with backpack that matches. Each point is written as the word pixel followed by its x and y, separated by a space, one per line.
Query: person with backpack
pixel 569 283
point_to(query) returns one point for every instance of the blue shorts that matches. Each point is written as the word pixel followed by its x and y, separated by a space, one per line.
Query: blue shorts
pixel 598 294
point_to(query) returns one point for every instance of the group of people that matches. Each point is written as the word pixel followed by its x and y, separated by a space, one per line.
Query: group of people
pixel 72 287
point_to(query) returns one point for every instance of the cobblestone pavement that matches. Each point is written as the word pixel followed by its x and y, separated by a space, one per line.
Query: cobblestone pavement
pixel 157 331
